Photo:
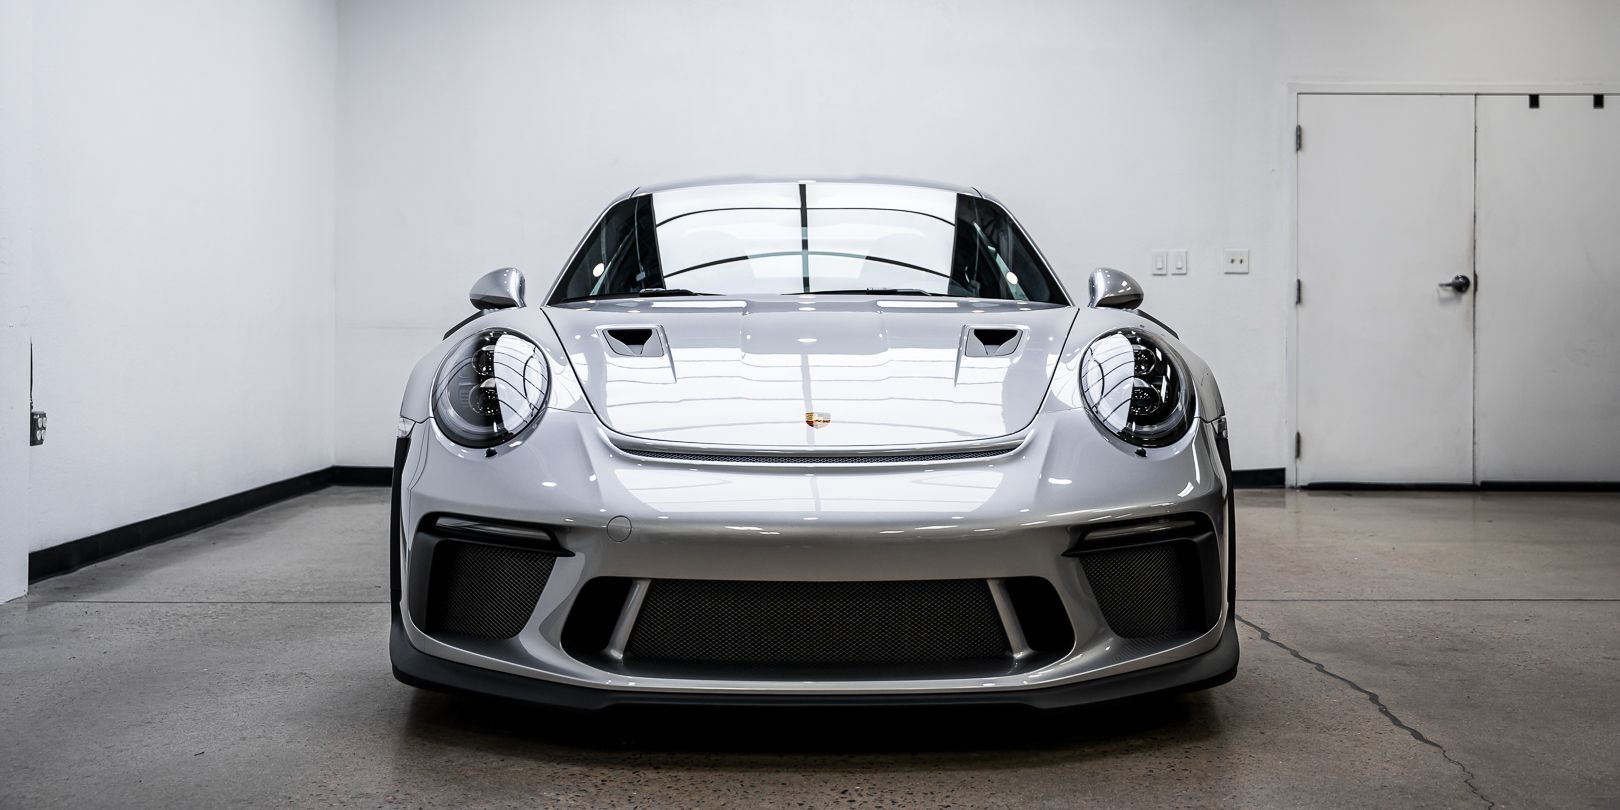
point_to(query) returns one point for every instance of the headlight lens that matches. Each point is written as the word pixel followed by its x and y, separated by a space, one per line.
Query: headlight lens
pixel 489 388
pixel 1137 388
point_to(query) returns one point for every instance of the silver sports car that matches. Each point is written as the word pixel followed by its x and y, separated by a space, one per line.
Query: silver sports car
pixel 811 442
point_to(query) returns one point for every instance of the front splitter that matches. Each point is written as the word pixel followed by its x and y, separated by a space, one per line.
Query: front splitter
pixel 416 668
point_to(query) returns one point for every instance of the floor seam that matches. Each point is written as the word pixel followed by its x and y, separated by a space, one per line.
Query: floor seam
pixel 1468 775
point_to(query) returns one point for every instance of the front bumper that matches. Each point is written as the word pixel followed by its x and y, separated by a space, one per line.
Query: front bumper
pixel 1209 669
pixel 993 519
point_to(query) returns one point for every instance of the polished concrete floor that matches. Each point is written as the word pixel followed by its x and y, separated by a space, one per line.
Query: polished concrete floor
pixel 1400 649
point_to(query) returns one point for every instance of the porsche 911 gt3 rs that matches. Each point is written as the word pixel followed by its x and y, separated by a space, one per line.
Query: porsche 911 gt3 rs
pixel 799 442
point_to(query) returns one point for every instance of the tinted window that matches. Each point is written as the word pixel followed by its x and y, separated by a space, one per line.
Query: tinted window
pixel 621 253
pixel 992 259
pixel 782 251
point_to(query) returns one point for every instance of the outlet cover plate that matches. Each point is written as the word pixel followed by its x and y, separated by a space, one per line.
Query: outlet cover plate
pixel 1237 260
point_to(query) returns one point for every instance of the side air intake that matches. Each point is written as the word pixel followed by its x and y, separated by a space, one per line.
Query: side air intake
pixel 484 591
pixel 1153 579
pixel 478 577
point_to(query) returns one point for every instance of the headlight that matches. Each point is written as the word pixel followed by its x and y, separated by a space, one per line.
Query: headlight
pixel 489 388
pixel 1137 388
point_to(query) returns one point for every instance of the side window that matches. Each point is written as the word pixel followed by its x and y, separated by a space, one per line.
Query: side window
pixel 992 258
pixel 620 255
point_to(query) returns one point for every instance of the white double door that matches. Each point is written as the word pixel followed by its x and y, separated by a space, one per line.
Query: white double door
pixel 1459 268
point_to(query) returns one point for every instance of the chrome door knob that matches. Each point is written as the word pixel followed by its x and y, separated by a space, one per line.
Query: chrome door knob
pixel 1457 284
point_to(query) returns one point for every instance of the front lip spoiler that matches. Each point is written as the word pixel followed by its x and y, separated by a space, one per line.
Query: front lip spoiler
pixel 416 668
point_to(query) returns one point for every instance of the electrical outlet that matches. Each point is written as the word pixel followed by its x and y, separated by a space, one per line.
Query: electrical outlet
pixel 1161 262
pixel 36 428
pixel 1237 260
pixel 1178 262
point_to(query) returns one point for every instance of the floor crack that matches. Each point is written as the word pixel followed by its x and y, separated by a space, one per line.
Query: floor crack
pixel 1468 775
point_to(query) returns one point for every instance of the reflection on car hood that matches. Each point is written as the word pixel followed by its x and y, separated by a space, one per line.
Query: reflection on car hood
pixel 874 371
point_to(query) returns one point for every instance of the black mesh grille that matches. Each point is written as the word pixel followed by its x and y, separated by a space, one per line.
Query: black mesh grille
pixel 913 458
pixel 484 591
pixel 1147 590
pixel 817 624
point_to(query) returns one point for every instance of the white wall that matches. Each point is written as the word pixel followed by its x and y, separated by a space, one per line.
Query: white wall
pixel 181 306
pixel 477 135
pixel 16 267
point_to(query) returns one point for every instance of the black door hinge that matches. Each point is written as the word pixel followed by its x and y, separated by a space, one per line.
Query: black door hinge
pixel 1297 443
pixel 36 419
pixel 1299 292
pixel 1299 137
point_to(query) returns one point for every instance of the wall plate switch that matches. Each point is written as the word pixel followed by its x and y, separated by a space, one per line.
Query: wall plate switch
pixel 1178 262
pixel 1161 262
pixel 1237 260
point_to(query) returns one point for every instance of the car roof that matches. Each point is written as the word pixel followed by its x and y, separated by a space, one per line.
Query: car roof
pixel 744 180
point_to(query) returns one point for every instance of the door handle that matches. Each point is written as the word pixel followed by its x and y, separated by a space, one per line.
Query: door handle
pixel 1458 284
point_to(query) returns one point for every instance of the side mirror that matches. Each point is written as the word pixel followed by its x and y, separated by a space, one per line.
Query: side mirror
pixel 498 289
pixel 1114 289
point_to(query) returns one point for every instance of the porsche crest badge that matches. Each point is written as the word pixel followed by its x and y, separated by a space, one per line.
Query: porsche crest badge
pixel 817 419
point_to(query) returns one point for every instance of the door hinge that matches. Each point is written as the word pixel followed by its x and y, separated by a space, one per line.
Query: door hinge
pixel 1297 444
pixel 1299 292
pixel 1299 137
pixel 36 419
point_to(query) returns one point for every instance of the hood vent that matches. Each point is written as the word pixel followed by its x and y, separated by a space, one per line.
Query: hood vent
pixel 991 341
pixel 635 341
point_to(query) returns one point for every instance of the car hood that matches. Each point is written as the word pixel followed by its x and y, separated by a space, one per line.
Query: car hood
pixel 869 371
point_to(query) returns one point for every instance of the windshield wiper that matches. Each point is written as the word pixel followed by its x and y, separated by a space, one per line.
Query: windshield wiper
pixel 874 291
pixel 649 292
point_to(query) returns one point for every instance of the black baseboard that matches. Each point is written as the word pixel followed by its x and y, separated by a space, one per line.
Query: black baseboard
pixel 362 476
pixel 1263 478
pixel 1364 486
pixel 1483 486
pixel 1550 486
pixel 76 554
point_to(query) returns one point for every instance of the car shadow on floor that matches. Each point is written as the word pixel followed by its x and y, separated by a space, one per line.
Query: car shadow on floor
pixel 728 737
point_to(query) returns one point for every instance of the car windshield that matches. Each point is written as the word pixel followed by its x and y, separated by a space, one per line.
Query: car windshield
pixel 796 238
